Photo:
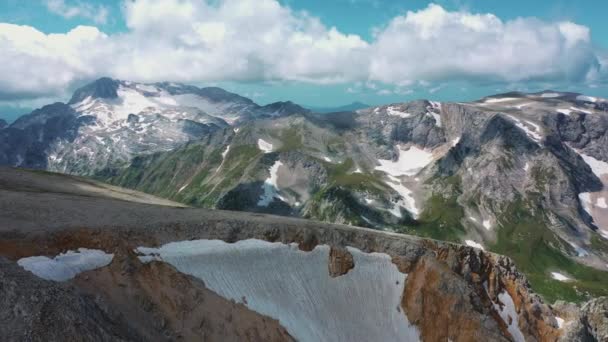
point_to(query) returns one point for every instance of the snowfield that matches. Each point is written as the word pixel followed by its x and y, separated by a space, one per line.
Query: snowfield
pixel 270 186
pixel 396 112
pixel 474 244
pixel 509 315
pixel 559 276
pixel 264 146
pixel 294 287
pixel 406 201
pixel 408 164
pixel 67 265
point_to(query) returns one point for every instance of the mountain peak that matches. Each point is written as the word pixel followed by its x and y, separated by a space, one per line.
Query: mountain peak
pixel 105 88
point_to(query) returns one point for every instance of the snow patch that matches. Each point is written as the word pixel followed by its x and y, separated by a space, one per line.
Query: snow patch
pixel 509 315
pixel 499 100
pixel 437 118
pixel 280 281
pixel 270 186
pixel 409 162
pixel 560 322
pixel 225 152
pixel 487 225
pixel 585 98
pixel 526 167
pixel 550 95
pixel 264 146
pixel 474 244
pixel 598 167
pixel 406 201
pixel 67 265
pixel 600 202
pixel 534 133
pixel 564 111
pixel 395 112
pixel 559 276
pixel 182 188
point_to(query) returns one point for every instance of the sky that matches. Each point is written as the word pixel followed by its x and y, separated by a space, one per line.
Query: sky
pixel 319 53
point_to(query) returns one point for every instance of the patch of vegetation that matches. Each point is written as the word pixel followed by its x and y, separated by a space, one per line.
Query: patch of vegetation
pixel 341 175
pixel 524 236
pixel 335 203
pixel 440 220
pixel 206 187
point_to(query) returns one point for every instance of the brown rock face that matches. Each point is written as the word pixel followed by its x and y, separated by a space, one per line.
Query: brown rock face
pixel 166 305
pixel 340 261
pixel 443 308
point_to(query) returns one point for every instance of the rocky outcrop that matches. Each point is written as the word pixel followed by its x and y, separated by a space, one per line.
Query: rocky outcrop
pixel 340 261
pixel 588 322
pixel 33 309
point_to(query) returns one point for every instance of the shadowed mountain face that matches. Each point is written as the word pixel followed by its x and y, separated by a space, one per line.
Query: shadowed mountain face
pixel 519 174
pixel 114 264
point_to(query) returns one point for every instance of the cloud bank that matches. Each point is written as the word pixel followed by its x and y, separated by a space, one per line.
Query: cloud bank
pixel 261 40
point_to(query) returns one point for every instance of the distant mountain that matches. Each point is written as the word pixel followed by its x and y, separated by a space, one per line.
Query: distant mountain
pixel 346 108
pixel 107 122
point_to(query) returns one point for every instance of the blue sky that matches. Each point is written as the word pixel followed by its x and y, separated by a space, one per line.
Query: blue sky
pixel 354 62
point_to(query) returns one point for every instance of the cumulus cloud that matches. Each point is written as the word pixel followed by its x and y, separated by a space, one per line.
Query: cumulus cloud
pixel 99 14
pixel 262 40
pixel 436 45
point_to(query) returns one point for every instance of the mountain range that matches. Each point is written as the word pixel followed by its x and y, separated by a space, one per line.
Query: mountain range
pixel 518 174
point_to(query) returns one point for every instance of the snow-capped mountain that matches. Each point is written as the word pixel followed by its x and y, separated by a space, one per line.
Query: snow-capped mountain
pixel 519 174
pixel 109 121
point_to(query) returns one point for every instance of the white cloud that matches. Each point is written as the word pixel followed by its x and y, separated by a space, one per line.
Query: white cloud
pixel 262 40
pixel 436 45
pixel 99 14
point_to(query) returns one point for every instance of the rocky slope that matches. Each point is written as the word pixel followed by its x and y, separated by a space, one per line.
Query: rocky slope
pixel 155 288
pixel 519 174
pixel 108 122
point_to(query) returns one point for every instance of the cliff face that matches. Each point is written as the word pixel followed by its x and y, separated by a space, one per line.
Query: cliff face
pixel 192 274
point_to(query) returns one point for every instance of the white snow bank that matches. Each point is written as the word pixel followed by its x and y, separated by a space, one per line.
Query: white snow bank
pixel 509 315
pixel 270 186
pixel 225 152
pixel 474 244
pixel 564 111
pixel 550 95
pixel 294 287
pixel 437 118
pixel 598 167
pixel 499 100
pixel 390 110
pixel 533 133
pixel 559 276
pixel 408 164
pixel 586 98
pixel 67 265
pixel 487 225
pixel 560 322
pixel 264 146
pixel 406 201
